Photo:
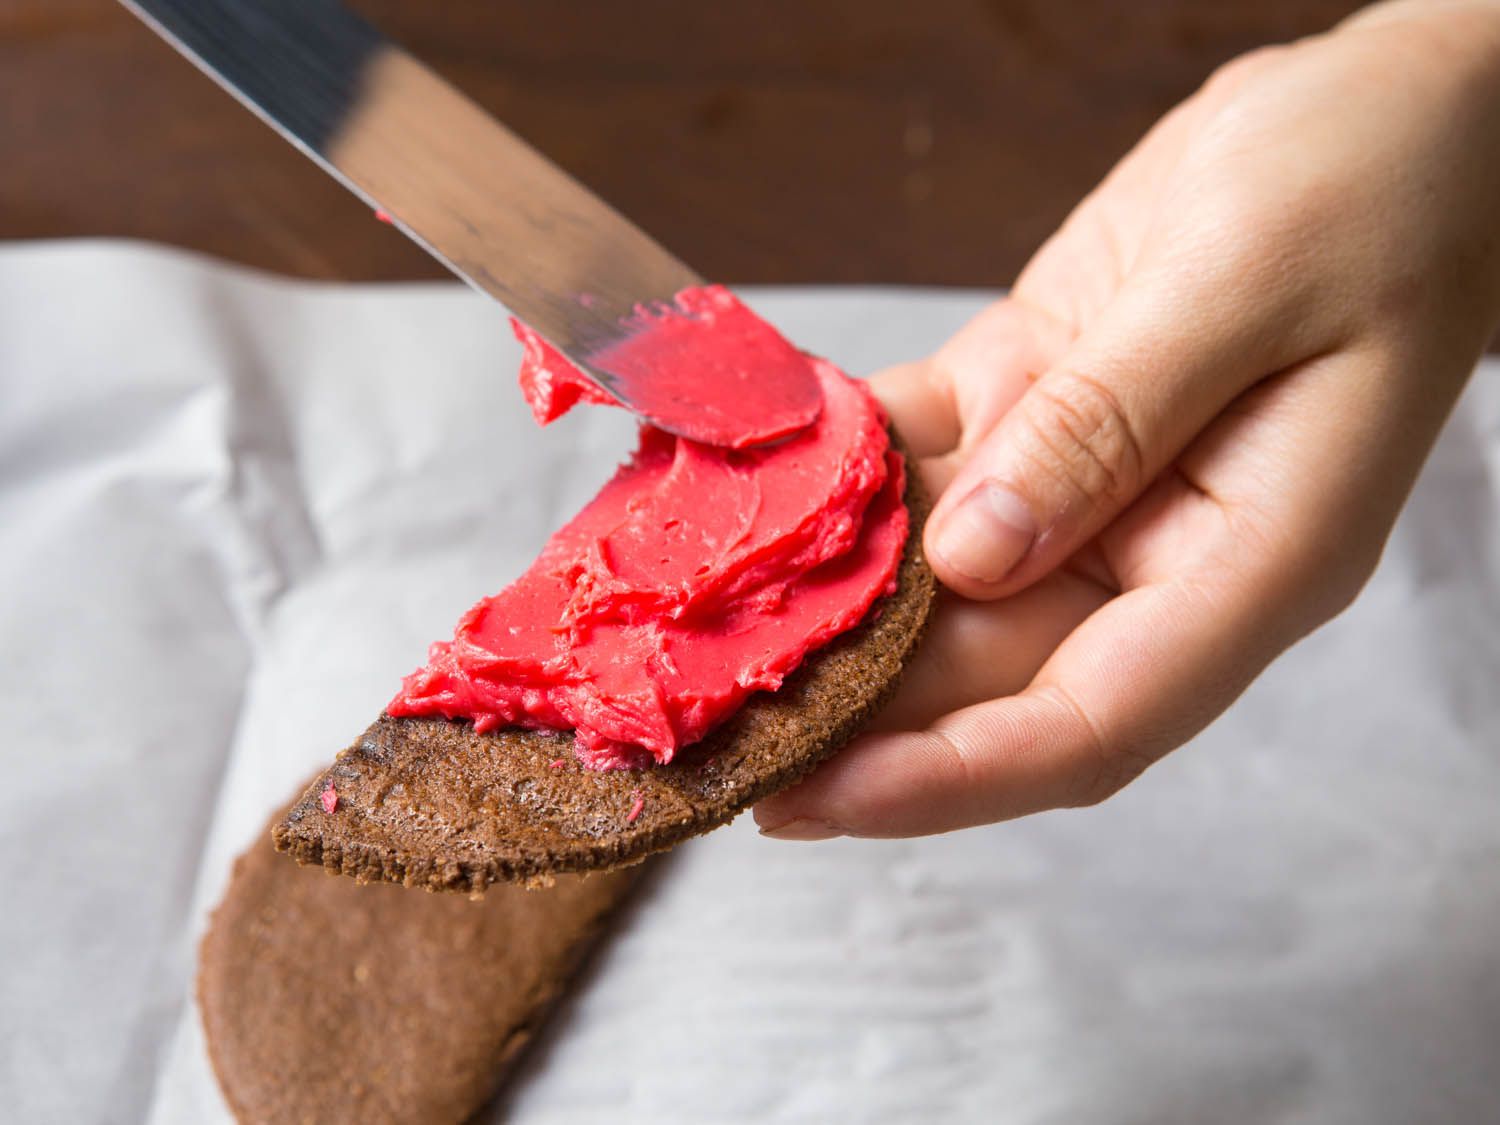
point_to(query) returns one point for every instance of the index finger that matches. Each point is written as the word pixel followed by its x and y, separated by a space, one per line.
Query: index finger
pixel 947 402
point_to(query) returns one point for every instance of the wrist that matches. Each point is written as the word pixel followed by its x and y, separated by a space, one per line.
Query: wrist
pixel 1452 47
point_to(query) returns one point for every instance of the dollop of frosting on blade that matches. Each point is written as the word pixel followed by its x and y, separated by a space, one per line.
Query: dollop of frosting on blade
pixel 702 365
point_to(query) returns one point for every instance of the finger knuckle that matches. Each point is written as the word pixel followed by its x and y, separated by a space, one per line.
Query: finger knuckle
pixel 1341 583
pixel 1106 777
pixel 1230 76
pixel 1104 766
pixel 1081 436
pixel 1314 578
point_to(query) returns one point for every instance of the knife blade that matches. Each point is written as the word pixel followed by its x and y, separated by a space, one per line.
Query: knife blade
pixel 463 186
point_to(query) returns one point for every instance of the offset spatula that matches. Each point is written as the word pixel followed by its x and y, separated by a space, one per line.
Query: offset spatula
pixel 470 192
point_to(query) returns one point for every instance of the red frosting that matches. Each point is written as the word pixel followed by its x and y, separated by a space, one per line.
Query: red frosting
pixel 706 339
pixel 697 576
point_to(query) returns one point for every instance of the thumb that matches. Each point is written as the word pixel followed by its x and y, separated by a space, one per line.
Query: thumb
pixel 1089 435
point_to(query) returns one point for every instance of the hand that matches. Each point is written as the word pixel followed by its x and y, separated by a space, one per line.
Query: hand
pixel 1180 444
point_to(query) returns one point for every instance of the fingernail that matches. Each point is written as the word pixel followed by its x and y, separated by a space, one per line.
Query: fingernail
pixel 802 828
pixel 987 534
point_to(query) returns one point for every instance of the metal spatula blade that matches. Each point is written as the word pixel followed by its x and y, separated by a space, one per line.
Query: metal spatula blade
pixel 463 186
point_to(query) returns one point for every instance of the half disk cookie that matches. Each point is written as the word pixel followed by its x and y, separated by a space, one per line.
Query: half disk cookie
pixel 710 627
pixel 330 1002
pixel 432 803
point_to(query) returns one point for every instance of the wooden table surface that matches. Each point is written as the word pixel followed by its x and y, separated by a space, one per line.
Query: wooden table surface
pixel 779 141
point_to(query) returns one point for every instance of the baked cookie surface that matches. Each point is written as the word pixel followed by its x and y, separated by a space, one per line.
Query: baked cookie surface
pixel 326 1001
pixel 430 803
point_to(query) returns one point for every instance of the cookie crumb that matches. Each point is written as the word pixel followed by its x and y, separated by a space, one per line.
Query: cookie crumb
pixel 330 798
pixel 635 809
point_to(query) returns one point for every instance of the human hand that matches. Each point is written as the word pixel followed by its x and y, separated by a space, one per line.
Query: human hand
pixel 1181 442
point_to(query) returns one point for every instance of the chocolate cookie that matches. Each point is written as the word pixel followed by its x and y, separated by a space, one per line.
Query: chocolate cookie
pixel 326 1001
pixel 430 803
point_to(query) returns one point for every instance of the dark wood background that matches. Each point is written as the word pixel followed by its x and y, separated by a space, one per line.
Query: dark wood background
pixel 776 141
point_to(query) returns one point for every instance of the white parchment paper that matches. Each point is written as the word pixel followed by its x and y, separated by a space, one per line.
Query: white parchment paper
pixel 233 511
